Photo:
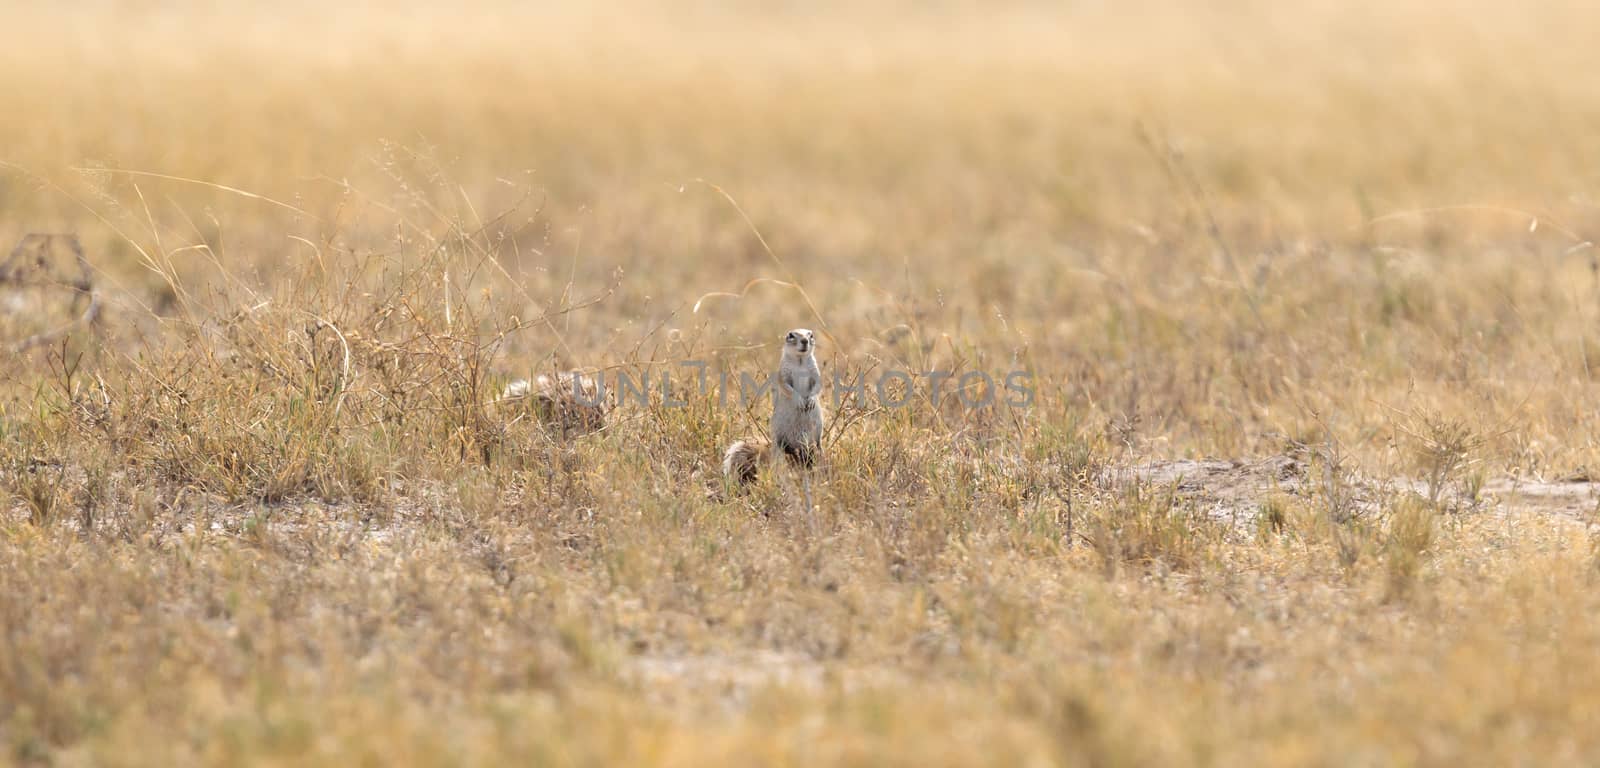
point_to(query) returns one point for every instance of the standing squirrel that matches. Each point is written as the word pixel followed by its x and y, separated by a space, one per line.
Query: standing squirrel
pixel 796 425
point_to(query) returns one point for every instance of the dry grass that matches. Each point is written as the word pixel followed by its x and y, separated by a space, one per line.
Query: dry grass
pixel 270 510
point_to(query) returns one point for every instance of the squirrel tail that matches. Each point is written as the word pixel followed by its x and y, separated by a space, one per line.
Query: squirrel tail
pixel 741 463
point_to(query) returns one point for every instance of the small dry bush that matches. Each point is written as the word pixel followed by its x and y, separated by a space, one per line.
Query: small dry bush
pixel 1405 549
pixel 1145 526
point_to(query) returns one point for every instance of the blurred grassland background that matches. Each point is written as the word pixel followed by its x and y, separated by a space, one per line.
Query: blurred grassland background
pixel 270 511
pixel 1064 163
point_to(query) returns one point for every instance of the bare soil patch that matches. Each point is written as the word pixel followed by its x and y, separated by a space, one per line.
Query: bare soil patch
pixel 1232 490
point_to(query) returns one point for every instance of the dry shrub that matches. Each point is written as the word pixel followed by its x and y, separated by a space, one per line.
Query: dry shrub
pixel 1406 547
pixel 1144 527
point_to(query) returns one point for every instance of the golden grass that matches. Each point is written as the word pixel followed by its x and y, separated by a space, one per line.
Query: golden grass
pixel 270 512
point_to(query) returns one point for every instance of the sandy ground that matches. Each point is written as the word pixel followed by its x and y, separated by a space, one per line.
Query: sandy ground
pixel 1232 490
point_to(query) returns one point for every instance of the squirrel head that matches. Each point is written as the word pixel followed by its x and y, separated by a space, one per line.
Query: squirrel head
pixel 799 341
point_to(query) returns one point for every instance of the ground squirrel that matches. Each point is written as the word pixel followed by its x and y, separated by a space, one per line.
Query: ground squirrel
pixel 568 402
pixel 796 426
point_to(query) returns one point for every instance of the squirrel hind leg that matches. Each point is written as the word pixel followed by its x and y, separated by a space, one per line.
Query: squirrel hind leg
pixel 800 455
